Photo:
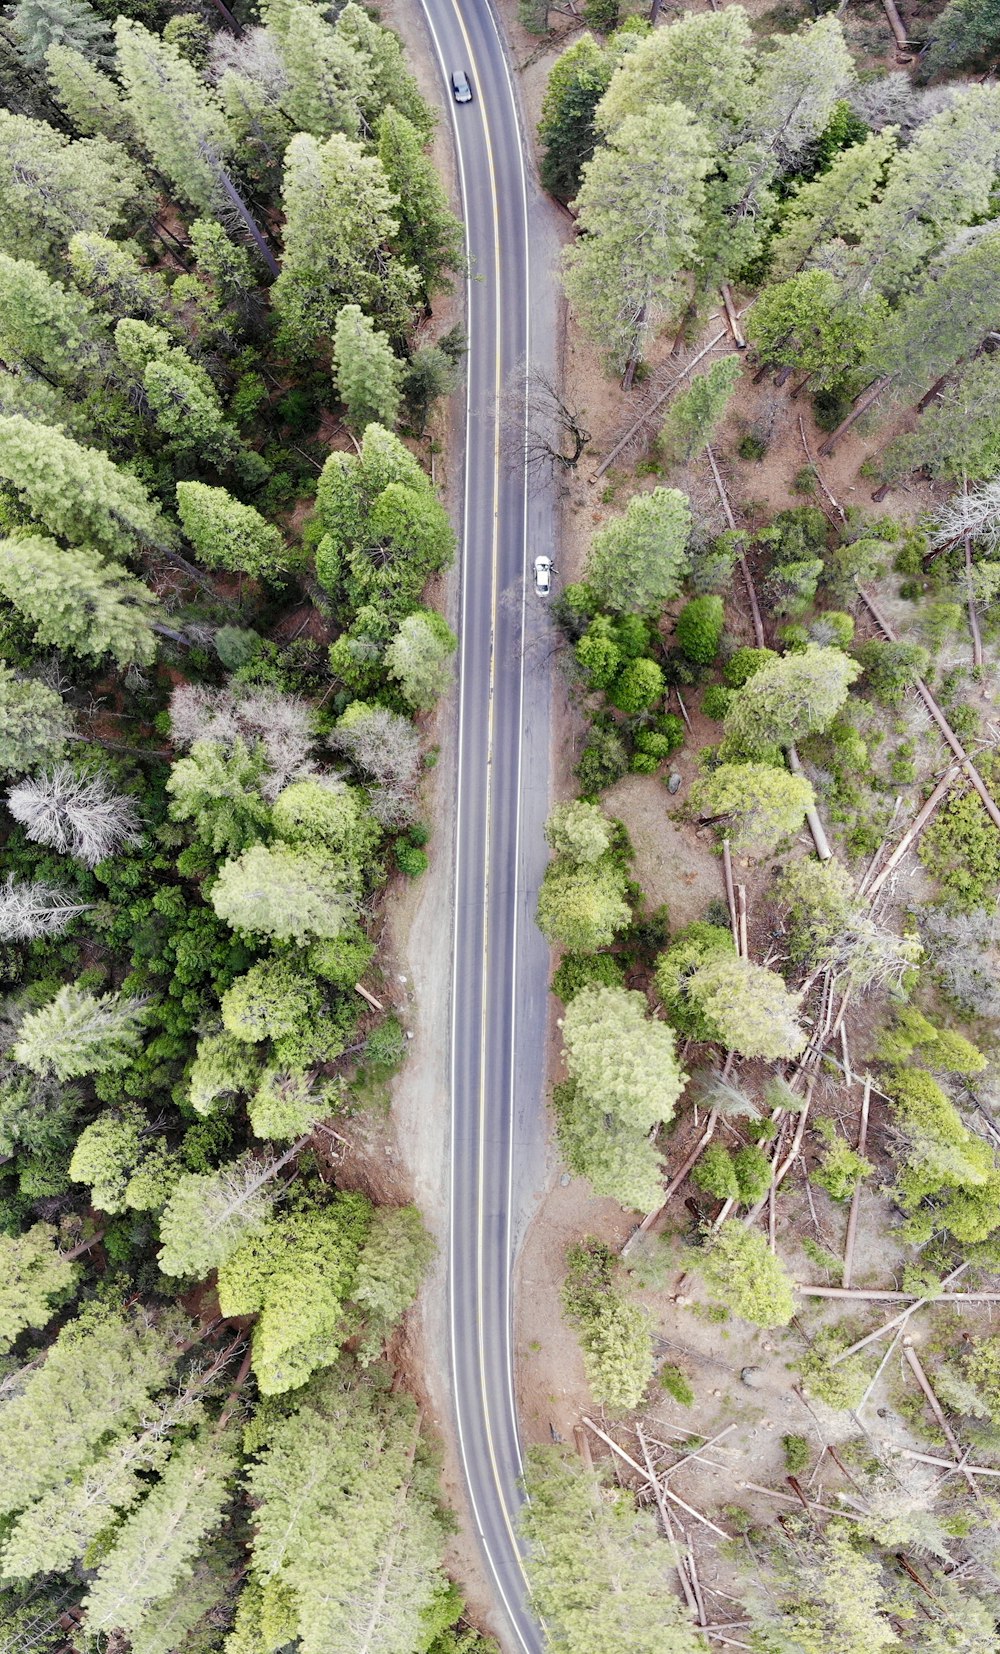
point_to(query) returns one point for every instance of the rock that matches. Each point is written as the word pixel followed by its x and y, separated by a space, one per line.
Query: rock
pixel 674 782
pixel 752 1377
pixel 565 1180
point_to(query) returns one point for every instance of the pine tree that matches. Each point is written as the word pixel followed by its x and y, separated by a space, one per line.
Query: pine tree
pixel 38 24
pixel 220 793
pixel 37 908
pixel 328 81
pixel 639 209
pixel 174 113
pixel 790 698
pixel 579 832
pixel 157 1546
pixel 430 237
pixel 228 266
pixel 582 907
pixel 798 85
pixel 740 1270
pixel 694 416
pixel 295 1274
pixel 940 181
pixel 704 61
pixel 112 274
pixel 833 205
pixel 958 435
pixel 760 805
pixel 43 326
pixel 366 371
pixel 34 724
pixel 810 324
pixel 567 130
pixel 80 1033
pixel 209 1214
pixel 615 1334
pixel 52 186
pixel 87 95
pixel 78 815
pixel 394 1257
pixel 286 893
pixel 963 31
pixel 948 315
pixel 227 534
pixel 108 1155
pixel 77 602
pixel 747 1007
pixel 392 85
pixel 222 1066
pixel 96 1377
pixel 340 219
pixel 595 1564
pixel 625 1063
pixel 33 1271
pixel 78 492
pixel 347 1528
pixel 419 657
pixel 637 561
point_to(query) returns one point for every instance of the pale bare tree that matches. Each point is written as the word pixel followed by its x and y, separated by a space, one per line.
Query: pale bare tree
pixel 79 815
pixel 554 433
pixel 33 908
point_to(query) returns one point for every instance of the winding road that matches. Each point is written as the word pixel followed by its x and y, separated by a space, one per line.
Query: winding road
pixel 500 962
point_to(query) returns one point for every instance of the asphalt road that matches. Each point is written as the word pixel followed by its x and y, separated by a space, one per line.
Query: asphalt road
pixel 500 962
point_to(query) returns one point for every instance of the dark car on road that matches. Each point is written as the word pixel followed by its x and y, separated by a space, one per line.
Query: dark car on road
pixel 460 86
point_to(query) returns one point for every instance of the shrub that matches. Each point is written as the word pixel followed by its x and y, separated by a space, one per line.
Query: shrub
pixel 716 701
pixel 743 664
pixel 890 669
pixel 841 1169
pixel 715 1173
pixel 638 685
pixel 603 760
pixel 615 1334
pixel 961 846
pixel 796 1453
pixel 753 1174
pixel 699 629
pixel 410 859
pixel 586 970
pixel 676 1384
pixel 743 1273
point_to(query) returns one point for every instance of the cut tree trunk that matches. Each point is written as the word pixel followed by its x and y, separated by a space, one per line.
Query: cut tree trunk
pixel 977 636
pixel 852 1221
pixel 758 624
pixel 813 822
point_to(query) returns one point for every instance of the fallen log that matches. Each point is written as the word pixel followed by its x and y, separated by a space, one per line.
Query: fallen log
pixel 914 1363
pixel 879 1297
pixel 674 1184
pixel 864 402
pixel 727 870
pixel 758 624
pixel 813 822
pixel 852 1219
pixel 656 403
pixel 916 827
pixel 946 1464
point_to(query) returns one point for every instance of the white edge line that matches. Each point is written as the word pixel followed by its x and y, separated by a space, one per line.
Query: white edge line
pixel 511 1614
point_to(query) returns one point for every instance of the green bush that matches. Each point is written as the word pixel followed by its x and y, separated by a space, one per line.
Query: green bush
pixel 715 1173
pixel 840 1169
pixel 637 687
pixel 603 760
pixel 961 846
pixel 753 1174
pixel 796 1453
pixel 586 970
pixel 676 1384
pixel 699 629
pixel 411 860
pixel 716 701
pixel 890 669
pixel 743 664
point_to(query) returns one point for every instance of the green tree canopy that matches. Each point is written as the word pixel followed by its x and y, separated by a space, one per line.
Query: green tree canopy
pixel 274 890
pixel 748 1006
pixel 579 832
pixel 577 82
pixel 582 905
pixel 34 1277
pixel 637 561
pixel 44 326
pixel 742 1272
pixel 34 724
pixel 704 61
pixel 694 416
pixel 419 657
pixel 640 209
pixel 615 1334
pixel 78 492
pixel 429 238
pixel 52 186
pixel 76 601
pixel 38 24
pixel 789 698
pixel 220 793
pixel 366 370
pixel 209 1214
pixel 227 534
pixel 758 804
pixel 80 1033
pixel 596 1564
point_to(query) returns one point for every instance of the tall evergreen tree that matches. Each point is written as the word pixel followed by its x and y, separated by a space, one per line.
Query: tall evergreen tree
pixel 52 186
pixel 43 326
pixel 80 1033
pixel 33 1272
pixel 285 893
pixel 340 218
pixel 963 31
pixel 704 61
pixel 949 314
pixel 694 415
pixel 78 602
pixel 567 130
pixel 392 85
pixel 78 492
pixel 429 237
pixel 637 561
pixel 87 95
pixel 391 1265
pixel 94 1380
pixel 157 1546
pixel 34 724
pixel 328 81
pixel 790 698
pixel 38 24
pixel 228 535
pixel 366 371
pixel 210 1213
pixel 799 82
pixel 833 205
pixel 939 182
pixel 595 1564
pixel 347 1527
pixel 640 208
pixel 112 275
pixel 419 657
pixel 958 435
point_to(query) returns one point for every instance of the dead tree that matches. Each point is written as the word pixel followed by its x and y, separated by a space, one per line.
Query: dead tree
pixel 555 435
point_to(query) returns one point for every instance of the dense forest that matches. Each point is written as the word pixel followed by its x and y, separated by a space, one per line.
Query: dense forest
pixel 779 635
pixel 219 240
